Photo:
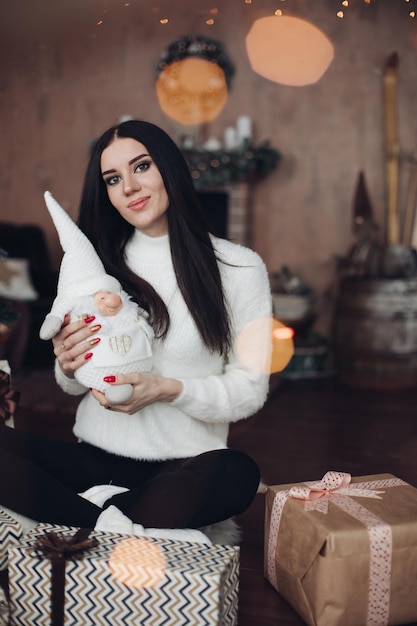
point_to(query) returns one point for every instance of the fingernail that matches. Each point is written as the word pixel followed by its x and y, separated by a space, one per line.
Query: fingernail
pixel 90 319
pixel 95 328
pixel 95 341
pixel 88 355
pixel 109 379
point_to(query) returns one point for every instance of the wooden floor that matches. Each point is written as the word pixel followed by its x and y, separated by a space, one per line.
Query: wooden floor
pixel 306 428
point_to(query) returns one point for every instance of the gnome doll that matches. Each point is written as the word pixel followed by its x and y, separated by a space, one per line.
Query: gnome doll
pixel 84 289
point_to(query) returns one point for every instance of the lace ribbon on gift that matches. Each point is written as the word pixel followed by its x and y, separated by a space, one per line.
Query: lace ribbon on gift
pixel 58 549
pixel 336 487
pixel 9 399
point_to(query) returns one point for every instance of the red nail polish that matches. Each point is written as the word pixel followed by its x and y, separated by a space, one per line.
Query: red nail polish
pixel 90 319
pixel 88 355
pixel 109 379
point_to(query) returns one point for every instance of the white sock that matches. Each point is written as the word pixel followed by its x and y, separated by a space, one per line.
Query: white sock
pixel 113 520
pixel 99 494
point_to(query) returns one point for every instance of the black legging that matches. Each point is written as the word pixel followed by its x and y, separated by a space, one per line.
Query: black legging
pixel 40 478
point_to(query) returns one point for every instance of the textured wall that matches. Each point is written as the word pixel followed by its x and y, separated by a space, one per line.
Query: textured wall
pixel 64 80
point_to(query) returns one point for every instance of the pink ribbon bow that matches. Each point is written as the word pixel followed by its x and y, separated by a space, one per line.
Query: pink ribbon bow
pixel 333 484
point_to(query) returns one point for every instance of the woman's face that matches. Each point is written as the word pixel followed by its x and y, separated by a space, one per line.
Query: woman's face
pixel 135 186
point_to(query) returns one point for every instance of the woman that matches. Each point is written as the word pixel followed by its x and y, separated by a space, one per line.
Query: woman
pixel 167 445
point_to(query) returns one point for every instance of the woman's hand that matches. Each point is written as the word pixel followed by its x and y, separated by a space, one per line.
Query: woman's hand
pixel 147 389
pixel 73 343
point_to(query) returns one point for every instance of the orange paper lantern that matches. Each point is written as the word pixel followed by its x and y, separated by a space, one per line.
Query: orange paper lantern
pixel 192 90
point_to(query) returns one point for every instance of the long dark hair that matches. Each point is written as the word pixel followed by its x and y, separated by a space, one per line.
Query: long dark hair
pixel 194 259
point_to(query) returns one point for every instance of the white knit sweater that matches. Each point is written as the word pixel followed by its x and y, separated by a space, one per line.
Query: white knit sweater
pixel 215 391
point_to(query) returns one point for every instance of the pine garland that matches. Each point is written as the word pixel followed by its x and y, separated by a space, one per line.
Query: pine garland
pixel 197 46
pixel 216 168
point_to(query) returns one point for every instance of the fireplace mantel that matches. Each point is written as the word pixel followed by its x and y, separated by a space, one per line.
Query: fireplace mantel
pixel 212 169
pixel 233 173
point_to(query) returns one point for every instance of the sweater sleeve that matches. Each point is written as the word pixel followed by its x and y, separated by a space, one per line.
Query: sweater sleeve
pixel 71 386
pixel 242 388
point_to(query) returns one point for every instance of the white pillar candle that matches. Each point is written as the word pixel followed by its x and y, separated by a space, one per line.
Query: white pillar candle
pixel 244 128
pixel 230 138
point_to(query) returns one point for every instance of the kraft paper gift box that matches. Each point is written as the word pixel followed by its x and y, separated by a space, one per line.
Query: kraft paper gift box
pixel 343 551
pixel 122 580
pixel 11 531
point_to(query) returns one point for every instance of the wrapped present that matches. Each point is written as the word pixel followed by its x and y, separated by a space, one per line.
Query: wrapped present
pixel 4 608
pixel 57 576
pixel 10 533
pixel 343 550
pixel 9 398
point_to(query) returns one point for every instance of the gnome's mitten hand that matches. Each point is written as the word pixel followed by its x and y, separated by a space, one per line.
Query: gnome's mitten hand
pixel 117 394
pixel 51 325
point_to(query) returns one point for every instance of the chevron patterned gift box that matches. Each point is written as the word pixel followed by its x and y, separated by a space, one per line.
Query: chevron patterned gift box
pixel 10 532
pixel 125 580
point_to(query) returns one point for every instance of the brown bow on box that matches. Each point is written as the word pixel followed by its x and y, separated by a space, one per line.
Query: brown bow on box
pixel 59 548
pixel 9 399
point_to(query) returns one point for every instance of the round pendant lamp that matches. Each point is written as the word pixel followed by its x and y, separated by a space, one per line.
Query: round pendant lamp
pixel 288 50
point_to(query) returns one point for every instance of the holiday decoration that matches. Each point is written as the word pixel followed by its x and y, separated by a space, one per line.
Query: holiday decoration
pixel 85 290
pixel 193 78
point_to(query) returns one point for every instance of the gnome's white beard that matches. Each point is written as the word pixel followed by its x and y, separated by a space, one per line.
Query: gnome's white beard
pixel 84 306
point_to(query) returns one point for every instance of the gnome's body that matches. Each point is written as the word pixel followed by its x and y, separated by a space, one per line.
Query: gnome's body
pixel 125 335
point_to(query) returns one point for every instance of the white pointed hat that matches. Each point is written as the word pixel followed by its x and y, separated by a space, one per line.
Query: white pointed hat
pixel 81 273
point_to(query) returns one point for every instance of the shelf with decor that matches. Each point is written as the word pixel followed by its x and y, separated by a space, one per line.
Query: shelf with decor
pixel 219 168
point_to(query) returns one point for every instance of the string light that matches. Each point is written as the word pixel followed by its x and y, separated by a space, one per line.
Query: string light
pixel 210 21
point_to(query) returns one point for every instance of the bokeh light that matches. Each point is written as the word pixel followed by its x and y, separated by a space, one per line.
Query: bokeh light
pixel 265 346
pixel 282 346
pixel 138 562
